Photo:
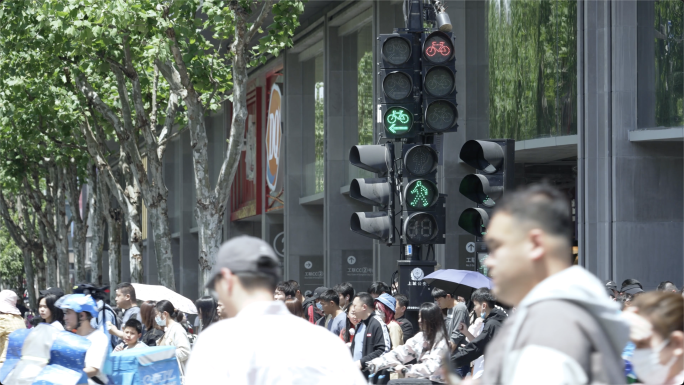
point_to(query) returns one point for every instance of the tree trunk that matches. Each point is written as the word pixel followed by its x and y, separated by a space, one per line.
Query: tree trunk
pixel 40 268
pixel 61 231
pixel 50 258
pixel 98 191
pixel 159 219
pixel 30 285
pixel 210 230
pixel 135 239
pixel 79 217
pixel 114 253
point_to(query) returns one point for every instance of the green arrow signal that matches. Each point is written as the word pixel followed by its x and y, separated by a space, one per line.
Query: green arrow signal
pixel 393 128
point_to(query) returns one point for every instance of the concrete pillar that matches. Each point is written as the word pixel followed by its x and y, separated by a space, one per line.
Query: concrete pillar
pixel 304 224
pixel 631 193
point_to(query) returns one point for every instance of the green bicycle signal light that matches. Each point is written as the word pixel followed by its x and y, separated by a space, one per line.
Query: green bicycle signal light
pixel 398 120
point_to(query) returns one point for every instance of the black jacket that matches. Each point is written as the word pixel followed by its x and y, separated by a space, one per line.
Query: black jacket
pixel 406 328
pixel 310 313
pixel 464 355
pixel 375 342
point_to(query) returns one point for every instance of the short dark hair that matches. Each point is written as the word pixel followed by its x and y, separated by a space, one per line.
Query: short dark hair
pixel 127 289
pixel 630 281
pixel 366 299
pixel 330 295
pixel 541 204
pixel 484 295
pixel 295 286
pixel 345 289
pixel 440 293
pixel 402 300
pixel 666 286
pixel 378 288
pixel 286 288
pixel 135 324
pixel 254 280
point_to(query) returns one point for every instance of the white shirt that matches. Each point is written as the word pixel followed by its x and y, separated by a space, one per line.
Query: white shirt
pixel 57 325
pixel 96 354
pixel 266 344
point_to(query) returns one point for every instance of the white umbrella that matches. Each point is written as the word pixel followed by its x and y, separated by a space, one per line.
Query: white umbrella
pixel 158 293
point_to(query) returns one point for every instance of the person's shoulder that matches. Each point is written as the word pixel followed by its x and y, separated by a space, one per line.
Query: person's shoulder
pixel 558 311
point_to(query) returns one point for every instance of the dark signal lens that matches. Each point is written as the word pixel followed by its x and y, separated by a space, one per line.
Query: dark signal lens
pixel 396 50
pixel 397 85
pixel 441 115
pixel 439 81
pixel 421 160
pixel 421 228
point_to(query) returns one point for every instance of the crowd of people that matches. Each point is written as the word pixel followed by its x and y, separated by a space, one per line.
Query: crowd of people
pixel 544 321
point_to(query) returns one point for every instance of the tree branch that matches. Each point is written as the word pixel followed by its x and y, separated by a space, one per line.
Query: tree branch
pixel 17 235
pixel 94 100
pixel 265 9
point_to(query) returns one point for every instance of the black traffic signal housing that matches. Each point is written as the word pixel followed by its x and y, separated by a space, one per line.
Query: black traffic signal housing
pixel 423 207
pixel 378 191
pixel 399 84
pixel 440 114
pixel 493 162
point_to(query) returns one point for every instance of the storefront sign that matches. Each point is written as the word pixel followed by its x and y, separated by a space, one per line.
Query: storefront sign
pixel 310 272
pixel 274 136
pixel 357 268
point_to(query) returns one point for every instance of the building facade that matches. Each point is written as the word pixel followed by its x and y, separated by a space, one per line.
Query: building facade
pixel 591 91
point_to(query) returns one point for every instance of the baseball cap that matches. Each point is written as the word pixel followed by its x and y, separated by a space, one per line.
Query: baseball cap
pixel 245 254
pixel 632 289
pixel 52 290
pixel 611 285
pixel 319 292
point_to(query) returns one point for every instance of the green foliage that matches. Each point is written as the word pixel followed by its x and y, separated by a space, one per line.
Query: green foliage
pixel 365 98
pixel 319 132
pixel 669 57
pixel 11 261
pixel 532 68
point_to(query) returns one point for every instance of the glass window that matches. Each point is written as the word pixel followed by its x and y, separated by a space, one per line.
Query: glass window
pixel 313 119
pixel 358 70
pixel 532 49
pixel 319 106
pixel 660 30
pixel 667 25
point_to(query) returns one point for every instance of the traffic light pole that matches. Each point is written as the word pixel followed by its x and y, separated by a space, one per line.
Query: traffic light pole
pixel 416 101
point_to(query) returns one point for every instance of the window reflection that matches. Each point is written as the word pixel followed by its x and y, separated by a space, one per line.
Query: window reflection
pixel 532 49
pixel 668 52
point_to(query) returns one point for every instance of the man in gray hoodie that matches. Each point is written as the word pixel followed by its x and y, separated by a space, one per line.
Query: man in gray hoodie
pixel 565 330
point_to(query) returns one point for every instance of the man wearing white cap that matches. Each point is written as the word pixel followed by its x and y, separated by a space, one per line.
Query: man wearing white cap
pixel 10 320
pixel 255 345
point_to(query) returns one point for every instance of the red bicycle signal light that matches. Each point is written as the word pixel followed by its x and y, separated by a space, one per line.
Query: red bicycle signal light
pixel 438 48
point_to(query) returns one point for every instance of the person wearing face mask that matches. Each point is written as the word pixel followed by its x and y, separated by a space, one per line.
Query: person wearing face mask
pixel 490 319
pixel 657 331
pixel 174 333
pixel 314 310
pixel 384 310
